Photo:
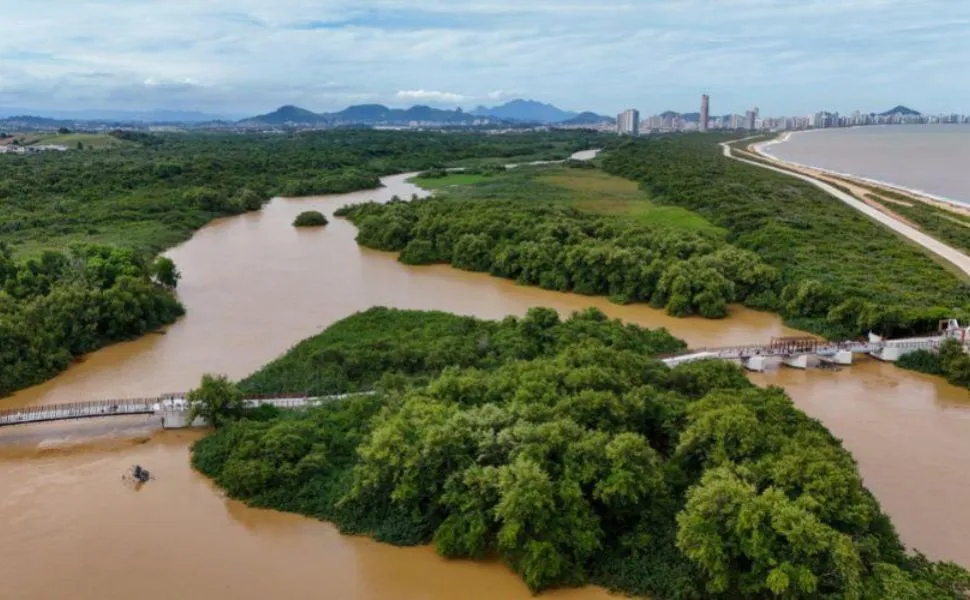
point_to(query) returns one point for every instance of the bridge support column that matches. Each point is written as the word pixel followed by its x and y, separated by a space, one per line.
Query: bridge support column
pixel 756 363
pixel 174 419
pixel 842 357
pixel 796 361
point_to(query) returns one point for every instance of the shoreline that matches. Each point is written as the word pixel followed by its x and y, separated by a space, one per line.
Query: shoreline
pixel 942 202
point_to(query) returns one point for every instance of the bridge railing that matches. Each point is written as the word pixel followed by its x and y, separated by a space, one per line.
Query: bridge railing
pixel 92 405
pixel 120 403
pixel 779 347
pixel 122 406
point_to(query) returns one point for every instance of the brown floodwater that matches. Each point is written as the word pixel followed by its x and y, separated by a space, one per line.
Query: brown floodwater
pixel 254 286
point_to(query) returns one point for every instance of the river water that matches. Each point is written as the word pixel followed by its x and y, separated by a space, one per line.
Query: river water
pixel 254 286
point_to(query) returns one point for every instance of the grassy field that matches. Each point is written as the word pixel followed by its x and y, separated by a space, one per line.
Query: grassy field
pixel 595 191
pixel 438 183
pixel 589 190
pixel 95 140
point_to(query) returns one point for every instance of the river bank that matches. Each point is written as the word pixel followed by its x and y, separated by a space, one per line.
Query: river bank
pixel 253 287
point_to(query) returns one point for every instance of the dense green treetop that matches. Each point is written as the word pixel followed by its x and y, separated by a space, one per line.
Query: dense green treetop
pixel 59 306
pixel 217 400
pixel 564 449
pixel 565 249
pixel 841 273
pixel 353 354
pixel 310 218
pixel 154 191
pixel 950 361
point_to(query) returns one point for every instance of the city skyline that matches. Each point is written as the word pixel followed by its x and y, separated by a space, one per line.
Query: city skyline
pixel 752 120
pixel 245 57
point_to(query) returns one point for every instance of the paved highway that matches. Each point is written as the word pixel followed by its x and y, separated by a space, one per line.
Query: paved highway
pixel 948 253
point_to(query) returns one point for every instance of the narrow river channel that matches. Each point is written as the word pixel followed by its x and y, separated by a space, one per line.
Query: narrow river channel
pixel 253 286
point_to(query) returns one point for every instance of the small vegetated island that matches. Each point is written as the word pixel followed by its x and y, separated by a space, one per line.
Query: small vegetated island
pixel 563 448
pixel 310 218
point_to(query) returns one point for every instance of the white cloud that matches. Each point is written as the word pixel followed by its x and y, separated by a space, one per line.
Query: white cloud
pixel 431 96
pixel 787 56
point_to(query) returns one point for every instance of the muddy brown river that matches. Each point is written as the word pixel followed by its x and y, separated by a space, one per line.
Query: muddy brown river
pixel 254 286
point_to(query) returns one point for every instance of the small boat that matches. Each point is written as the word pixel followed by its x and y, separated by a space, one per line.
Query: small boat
pixel 137 475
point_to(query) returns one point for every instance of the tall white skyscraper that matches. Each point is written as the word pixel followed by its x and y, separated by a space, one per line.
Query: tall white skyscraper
pixel 628 122
pixel 751 118
pixel 705 111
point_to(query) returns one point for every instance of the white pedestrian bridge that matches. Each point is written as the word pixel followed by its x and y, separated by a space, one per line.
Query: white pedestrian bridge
pixel 801 353
pixel 173 409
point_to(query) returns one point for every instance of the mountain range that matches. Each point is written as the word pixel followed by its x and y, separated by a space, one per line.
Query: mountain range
pixel 526 110
pixel 516 111
pixel 120 116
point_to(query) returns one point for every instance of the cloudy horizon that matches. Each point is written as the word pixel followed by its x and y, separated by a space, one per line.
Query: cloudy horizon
pixel 243 57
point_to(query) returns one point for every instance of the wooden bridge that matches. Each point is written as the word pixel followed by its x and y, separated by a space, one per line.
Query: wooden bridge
pixel 172 408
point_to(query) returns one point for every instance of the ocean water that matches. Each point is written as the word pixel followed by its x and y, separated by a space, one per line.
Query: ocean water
pixel 932 159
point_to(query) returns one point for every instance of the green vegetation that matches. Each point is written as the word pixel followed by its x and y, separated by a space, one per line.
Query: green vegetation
pixel 310 218
pixel 88 140
pixel 59 306
pixel 563 449
pixel 561 248
pixel 436 179
pixel 354 354
pixel 946 226
pixel 586 189
pixel 448 180
pixel 165 272
pixel 217 400
pixel 61 213
pixel 156 189
pixel 950 361
pixel 840 273
pixel 594 191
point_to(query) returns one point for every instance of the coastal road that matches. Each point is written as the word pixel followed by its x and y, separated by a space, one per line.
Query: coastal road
pixel 948 253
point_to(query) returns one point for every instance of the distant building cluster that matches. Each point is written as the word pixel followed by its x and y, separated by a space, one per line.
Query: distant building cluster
pixel 12 149
pixel 752 120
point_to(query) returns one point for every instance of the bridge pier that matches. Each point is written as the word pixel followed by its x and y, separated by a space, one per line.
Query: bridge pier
pixel 758 364
pixel 796 361
pixel 842 357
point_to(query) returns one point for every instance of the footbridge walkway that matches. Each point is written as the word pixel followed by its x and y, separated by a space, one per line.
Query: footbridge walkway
pixel 801 353
pixel 173 409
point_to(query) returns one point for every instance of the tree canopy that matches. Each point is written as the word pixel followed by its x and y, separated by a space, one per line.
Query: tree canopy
pixel 78 230
pixel 217 400
pixel 565 249
pixel 950 361
pixel 153 191
pixel 840 274
pixel 310 218
pixel 61 305
pixel 564 449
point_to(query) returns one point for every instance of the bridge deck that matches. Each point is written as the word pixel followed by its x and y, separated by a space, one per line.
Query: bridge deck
pixel 171 403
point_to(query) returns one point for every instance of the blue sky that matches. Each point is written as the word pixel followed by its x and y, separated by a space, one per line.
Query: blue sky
pixel 246 56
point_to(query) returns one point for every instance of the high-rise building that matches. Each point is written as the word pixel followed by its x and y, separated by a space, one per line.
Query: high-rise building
pixel 705 111
pixel 628 122
pixel 751 119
